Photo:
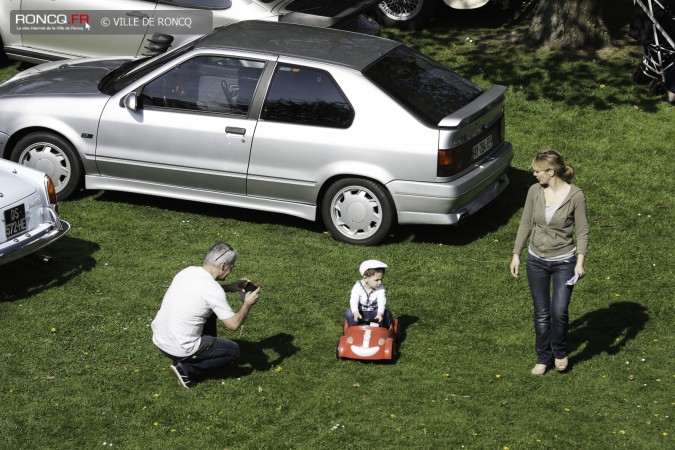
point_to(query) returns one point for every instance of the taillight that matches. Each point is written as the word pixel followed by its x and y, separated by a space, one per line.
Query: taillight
pixel 51 193
pixel 464 154
pixel 447 160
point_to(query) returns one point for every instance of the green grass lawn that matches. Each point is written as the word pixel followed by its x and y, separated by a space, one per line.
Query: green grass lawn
pixel 78 368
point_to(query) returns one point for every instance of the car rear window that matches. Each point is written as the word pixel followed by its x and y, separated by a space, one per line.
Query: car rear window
pixel 426 88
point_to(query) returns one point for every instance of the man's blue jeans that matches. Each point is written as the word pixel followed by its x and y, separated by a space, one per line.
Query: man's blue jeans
pixel 551 318
pixel 213 352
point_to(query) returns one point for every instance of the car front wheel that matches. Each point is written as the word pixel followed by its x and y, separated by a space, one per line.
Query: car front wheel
pixel 358 211
pixel 53 155
pixel 405 14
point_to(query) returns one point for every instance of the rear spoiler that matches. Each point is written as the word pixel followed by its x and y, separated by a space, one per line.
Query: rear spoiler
pixel 487 100
pixel 346 14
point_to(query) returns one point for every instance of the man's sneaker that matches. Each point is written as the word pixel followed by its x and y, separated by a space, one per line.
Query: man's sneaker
pixel 183 379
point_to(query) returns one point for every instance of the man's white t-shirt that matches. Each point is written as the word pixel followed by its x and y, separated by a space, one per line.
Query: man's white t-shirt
pixel 191 299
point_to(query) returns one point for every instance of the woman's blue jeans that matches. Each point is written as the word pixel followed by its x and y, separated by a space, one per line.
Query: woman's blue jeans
pixel 551 299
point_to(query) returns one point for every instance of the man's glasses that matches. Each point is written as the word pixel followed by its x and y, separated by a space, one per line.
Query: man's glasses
pixel 226 252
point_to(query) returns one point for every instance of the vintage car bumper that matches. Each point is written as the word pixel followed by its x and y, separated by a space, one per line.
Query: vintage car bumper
pixel 32 241
pixel 450 203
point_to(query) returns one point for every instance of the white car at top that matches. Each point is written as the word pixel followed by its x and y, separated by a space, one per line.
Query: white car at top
pixel 28 211
pixel 24 38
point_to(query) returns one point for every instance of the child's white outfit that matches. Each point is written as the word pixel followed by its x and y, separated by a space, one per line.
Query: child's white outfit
pixel 361 301
pixel 369 305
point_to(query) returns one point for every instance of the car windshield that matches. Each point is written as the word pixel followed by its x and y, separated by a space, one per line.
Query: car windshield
pixel 132 70
pixel 426 88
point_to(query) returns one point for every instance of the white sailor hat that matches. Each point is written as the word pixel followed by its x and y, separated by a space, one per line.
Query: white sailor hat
pixel 371 264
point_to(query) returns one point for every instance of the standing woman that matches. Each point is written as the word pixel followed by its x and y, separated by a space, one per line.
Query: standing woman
pixel 554 210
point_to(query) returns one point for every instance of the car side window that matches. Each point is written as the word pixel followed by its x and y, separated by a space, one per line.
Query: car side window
pixel 306 96
pixel 206 83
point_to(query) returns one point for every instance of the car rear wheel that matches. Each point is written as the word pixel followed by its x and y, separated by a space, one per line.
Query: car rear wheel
pixel 358 211
pixel 53 155
pixel 405 14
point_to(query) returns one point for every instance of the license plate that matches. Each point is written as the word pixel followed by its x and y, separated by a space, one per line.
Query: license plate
pixel 15 220
pixel 482 147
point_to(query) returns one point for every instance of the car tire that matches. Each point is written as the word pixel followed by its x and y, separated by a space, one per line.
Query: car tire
pixel 358 211
pixel 405 14
pixel 53 155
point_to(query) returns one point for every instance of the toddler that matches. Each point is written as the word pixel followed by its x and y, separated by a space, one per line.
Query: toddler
pixel 367 302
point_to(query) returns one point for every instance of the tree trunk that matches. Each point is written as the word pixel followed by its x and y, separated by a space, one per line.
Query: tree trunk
pixel 568 25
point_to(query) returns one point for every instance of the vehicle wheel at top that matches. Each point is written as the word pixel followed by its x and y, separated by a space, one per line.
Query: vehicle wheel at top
pixel 405 14
pixel 53 155
pixel 358 211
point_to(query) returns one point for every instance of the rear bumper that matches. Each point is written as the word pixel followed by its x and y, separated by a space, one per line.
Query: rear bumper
pixel 30 242
pixel 451 202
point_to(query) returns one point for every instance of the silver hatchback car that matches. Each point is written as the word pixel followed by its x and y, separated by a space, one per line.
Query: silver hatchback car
pixel 360 131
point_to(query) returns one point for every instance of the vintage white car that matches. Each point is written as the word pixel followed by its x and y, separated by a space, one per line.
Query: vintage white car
pixel 28 212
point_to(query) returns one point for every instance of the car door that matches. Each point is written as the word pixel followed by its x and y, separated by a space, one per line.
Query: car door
pixel 191 128
pixel 304 129
pixel 85 12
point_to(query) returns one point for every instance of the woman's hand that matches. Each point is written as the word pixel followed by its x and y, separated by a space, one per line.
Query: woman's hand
pixel 515 265
pixel 579 268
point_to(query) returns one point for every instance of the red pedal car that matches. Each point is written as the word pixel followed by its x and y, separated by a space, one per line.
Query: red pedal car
pixel 369 342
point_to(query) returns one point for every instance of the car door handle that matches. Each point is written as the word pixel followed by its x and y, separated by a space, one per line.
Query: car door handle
pixel 138 14
pixel 235 130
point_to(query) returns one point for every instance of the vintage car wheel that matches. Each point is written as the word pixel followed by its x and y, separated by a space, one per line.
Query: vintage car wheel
pixel 53 155
pixel 357 211
pixel 405 14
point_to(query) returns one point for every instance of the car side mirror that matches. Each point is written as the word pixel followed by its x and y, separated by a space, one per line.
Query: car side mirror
pixel 131 101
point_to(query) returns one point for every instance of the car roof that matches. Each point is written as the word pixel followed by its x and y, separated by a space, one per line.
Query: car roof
pixel 350 49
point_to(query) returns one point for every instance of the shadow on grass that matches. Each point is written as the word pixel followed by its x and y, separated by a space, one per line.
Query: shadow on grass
pixel 254 356
pixel 606 330
pixel 211 210
pixel 493 47
pixel 404 322
pixel 26 277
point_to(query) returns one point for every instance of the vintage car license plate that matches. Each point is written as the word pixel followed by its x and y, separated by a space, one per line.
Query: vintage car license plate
pixel 482 147
pixel 15 220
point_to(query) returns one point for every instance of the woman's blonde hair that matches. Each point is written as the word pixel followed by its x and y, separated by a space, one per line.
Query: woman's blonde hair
pixel 550 159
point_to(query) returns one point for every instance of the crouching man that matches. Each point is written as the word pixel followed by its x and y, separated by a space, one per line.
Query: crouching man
pixel 185 326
